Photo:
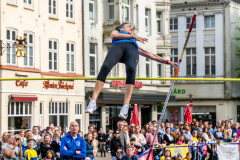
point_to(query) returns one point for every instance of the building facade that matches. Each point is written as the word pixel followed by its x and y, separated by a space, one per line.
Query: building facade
pixel 54 49
pixel 210 53
pixel 151 20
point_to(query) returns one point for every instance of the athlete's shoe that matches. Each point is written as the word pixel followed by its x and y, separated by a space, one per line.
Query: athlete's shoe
pixel 124 112
pixel 91 106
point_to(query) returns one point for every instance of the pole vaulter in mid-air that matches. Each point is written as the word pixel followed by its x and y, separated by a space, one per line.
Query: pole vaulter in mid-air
pixel 124 50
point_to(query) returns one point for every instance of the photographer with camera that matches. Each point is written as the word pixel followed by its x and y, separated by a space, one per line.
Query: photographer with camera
pixel 13 148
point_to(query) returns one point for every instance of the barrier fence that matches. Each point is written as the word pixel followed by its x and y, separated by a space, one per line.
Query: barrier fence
pixel 221 151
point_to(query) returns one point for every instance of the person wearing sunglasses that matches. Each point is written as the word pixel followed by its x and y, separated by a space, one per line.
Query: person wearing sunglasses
pixel 116 146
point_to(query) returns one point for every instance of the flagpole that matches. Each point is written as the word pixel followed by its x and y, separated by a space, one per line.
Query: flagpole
pixel 172 84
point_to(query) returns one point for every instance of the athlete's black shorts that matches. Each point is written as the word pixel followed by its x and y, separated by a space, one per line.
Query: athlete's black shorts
pixel 123 52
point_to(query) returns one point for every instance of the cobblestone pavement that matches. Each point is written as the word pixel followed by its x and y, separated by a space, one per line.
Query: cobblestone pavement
pixel 108 156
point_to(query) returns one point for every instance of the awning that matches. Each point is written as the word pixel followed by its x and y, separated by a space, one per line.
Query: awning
pixel 16 97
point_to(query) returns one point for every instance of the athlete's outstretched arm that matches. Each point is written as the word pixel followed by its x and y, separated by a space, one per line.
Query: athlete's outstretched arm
pixel 155 57
pixel 116 35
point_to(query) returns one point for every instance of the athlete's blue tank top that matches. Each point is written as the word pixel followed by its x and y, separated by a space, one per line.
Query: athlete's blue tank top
pixel 125 40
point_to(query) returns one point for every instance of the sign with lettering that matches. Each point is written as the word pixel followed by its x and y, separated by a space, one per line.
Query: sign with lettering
pixel 60 85
pixel 178 91
pixel 22 84
pixel 121 84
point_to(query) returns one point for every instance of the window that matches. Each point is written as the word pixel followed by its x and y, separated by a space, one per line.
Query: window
pixel 174 58
pixel 19 116
pixel 209 22
pixel 147 20
pixel 148 67
pixel 110 10
pixel 29 48
pixel 11 48
pixel 191 61
pixel 210 64
pixel 137 17
pixel 53 55
pixel 159 70
pixel 189 21
pixel 173 24
pixel 91 10
pixel 13 1
pixel 78 114
pixel 69 9
pixel 114 71
pixel 52 7
pixel 58 114
pixel 41 114
pixel 125 10
pixel 159 28
pixel 70 57
pixel 28 2
pixel 93 61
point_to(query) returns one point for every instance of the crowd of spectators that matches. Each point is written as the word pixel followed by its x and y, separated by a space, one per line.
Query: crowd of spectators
pixel 124 143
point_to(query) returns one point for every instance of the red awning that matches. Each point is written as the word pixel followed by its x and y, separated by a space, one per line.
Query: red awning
pixel 24 97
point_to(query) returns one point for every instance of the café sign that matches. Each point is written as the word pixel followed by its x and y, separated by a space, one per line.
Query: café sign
pixel 178 91
pixel 121 84
pixel 60 85
pixel 22 84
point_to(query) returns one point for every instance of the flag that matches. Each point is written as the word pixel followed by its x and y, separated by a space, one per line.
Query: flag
pixel 135 119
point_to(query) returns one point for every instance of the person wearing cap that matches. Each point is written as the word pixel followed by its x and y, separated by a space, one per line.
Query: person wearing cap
pixel 132 143
pixel 129 154
pixel 235 137
pixel 116 146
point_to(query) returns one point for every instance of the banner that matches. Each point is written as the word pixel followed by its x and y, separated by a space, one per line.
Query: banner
pixel 230 152
pixel 175 150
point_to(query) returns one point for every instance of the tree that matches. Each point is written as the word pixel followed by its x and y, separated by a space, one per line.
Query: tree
pixel 238 53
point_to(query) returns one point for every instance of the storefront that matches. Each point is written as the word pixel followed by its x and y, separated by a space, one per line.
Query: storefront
pixel 25 104
pixel 111 99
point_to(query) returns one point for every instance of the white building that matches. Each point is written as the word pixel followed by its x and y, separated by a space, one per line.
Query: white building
pixel 151 20
pixel 54 35
pixel 210 53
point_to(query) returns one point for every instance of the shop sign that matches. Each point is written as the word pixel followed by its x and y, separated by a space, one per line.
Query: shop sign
pixel 178 91
pixel 120 84
pixel 22 84
pixel 60 85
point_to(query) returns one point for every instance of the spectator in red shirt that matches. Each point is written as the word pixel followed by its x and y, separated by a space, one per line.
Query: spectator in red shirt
pixel 132 142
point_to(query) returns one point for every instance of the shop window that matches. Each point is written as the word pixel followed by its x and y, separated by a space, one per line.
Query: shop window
pixel 19 116
pixel 78 114
pixel 58 113
pixel 148 67
pixel 11 48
